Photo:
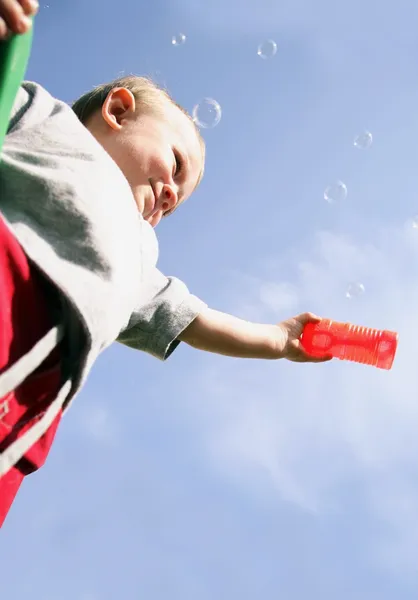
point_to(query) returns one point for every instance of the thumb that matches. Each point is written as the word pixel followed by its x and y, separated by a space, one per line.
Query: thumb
pixel 309 317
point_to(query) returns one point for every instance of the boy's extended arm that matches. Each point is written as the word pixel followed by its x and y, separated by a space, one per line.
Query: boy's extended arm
pixel 221 333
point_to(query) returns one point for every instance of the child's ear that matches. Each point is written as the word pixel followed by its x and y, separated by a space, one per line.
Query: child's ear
pixel 119 105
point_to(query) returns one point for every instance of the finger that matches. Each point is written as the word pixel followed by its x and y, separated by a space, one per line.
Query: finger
pixel 306 357
pixel 29 7
pixel 309 317
pixel 4 32
pixel 310 359
pixel 14 17
pixel 320 359
pixel 302 358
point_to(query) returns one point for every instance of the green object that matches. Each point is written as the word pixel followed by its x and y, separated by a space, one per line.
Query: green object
pixel 14 57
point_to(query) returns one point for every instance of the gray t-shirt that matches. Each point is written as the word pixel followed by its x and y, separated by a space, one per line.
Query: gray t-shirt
pixel 73 212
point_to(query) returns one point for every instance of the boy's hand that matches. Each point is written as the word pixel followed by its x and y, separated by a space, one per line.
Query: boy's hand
pixel 288 339
pixel 14 16
pixel 221 333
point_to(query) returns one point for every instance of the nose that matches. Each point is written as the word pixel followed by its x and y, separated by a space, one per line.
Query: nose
pixel 168 198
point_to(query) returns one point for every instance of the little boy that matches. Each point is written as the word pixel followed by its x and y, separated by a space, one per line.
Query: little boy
pixel 81 191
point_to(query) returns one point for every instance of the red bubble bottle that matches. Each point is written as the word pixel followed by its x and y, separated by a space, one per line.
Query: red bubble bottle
pixel 350 342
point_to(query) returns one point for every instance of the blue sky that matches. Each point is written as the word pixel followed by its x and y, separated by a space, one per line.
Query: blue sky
pixel 207 477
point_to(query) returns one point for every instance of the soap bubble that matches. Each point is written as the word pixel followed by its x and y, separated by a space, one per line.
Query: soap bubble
pixel 354 290
pixel 414 222
pixel 363 140
pixel 337 192
pixel 207 113
pixel 267 49
pixel 178 40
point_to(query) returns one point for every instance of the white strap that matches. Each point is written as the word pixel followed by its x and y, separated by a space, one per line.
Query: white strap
pixel 13 377
pixel 19 448
pixel 22 368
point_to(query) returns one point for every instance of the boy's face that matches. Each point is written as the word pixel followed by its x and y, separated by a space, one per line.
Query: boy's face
pixel 160 156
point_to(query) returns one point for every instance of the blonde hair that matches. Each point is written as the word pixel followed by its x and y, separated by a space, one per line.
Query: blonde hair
pixel 149 97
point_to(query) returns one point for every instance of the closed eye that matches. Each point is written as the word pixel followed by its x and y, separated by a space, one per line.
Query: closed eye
pixel 178 164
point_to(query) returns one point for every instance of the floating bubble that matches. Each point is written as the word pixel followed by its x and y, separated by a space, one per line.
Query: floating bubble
pixel 414 222
pixel 207 113
pixel 363 140
pixel 354 290
pixel 337 192
pixel 267 49
pixel 178 40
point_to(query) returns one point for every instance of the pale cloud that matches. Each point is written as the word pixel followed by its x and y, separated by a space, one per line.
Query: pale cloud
pixel 257 298
pixel 98 424
pixel 394 503
pixel 278 296
pixel 300 432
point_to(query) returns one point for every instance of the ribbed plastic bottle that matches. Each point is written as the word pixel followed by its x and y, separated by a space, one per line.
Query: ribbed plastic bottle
pixel 350 342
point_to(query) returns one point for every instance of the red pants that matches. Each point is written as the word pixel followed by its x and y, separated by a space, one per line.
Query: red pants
pixel 25 298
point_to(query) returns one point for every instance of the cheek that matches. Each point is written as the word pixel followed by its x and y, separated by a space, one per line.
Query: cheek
pixel 133 163
pixel 159 159
pixel 141 160
pixel 143 164
pixel 161 167
pixel 124 156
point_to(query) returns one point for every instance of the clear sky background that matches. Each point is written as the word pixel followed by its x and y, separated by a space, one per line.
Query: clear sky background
pixel 207 477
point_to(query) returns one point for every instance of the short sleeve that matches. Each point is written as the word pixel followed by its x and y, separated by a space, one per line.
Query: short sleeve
pixel 155 326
